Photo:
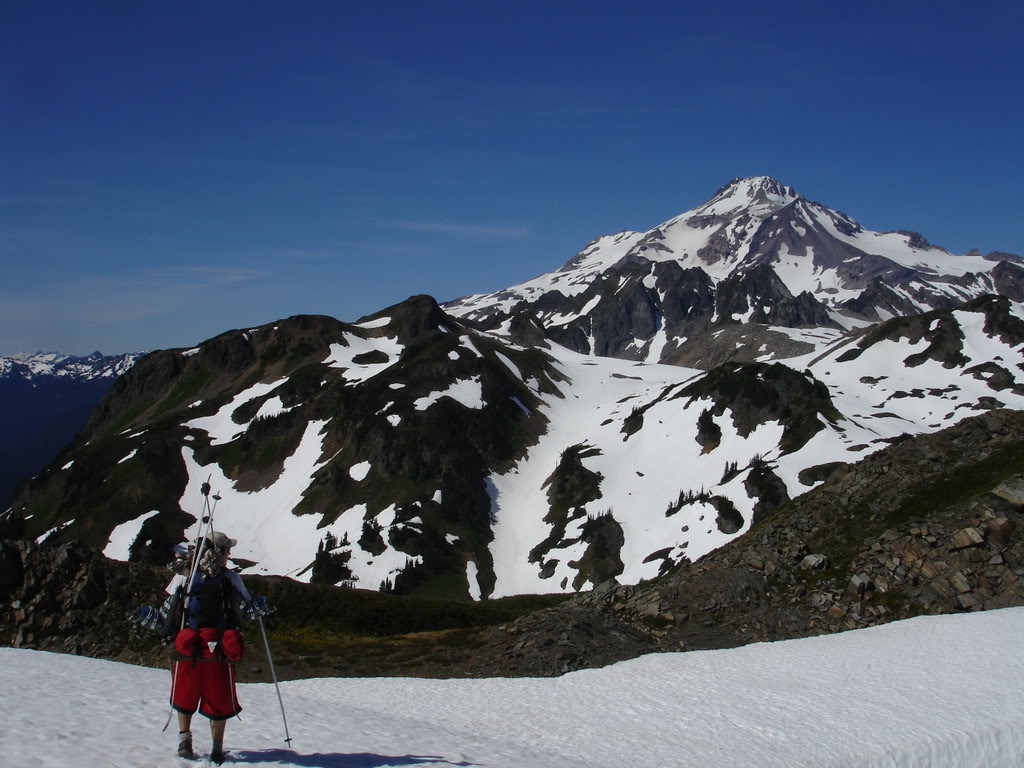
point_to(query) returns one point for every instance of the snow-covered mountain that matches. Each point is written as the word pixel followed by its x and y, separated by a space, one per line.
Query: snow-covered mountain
pixel 412 451
pixel 46 400
pixel 40 365
pixel 535 440
pixel 757 256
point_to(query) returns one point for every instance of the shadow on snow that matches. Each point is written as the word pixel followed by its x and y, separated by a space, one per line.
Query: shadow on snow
pixel 337 759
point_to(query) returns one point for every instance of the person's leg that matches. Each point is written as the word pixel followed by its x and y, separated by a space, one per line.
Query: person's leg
pixel 185 699
pixel 184 735
pixel 217 730
pixel 219 703
pixel 217 736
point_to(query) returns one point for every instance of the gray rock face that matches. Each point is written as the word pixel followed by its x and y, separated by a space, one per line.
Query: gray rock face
pixel 1008 278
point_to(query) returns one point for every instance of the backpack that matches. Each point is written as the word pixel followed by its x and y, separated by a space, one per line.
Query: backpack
pixel 212 603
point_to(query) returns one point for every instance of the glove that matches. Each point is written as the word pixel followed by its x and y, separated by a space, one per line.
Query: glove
pixel 259 606
pixel 147 616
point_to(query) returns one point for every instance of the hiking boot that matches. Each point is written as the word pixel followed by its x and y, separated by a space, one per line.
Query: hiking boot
pixel 185 744
pixel 217 755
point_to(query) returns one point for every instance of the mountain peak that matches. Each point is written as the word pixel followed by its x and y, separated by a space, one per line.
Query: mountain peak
pixel 752 185
pixel 762 192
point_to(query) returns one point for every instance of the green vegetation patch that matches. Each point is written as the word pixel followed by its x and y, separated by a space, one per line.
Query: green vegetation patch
pixel 344 630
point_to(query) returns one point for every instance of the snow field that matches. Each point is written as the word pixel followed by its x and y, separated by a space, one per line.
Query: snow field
pixel 341 355
pixel 220 426
pixel 122 536
pixel 939 691
pixel 519 498
pixel 262 521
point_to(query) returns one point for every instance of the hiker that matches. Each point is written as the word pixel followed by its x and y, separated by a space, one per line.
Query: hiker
pixel 209 643
pixel 202 616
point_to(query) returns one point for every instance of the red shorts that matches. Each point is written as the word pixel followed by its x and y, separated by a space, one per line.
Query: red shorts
pixel 205 681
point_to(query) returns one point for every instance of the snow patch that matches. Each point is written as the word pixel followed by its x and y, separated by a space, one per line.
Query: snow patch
pixel 468 392
pixel 358 472
pixel 122 536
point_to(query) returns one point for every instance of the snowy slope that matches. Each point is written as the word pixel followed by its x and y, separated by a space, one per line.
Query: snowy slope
pixel 877 394
pixel 940 691
pixel 643 474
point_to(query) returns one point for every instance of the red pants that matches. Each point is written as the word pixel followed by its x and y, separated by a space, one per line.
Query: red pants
pixel 205 681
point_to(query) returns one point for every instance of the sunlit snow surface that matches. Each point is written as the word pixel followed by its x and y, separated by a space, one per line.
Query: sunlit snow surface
pixel 941 691
pixel 220 426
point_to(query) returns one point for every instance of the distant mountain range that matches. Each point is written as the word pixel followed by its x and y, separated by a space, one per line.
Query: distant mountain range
pixel 639 407
pixel 47 398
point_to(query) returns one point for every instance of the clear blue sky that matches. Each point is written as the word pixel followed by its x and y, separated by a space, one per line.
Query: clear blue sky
pixel 171 170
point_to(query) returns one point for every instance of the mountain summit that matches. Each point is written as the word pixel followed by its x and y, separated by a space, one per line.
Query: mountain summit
pixel 756 254
pixel 751 192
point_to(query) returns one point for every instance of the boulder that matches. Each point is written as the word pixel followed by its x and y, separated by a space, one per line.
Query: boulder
pixel 967 537
pixel 817 562
pixel 999 531
pixel 1012 490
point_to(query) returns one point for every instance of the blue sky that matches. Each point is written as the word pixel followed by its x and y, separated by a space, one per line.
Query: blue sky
pixel 171 170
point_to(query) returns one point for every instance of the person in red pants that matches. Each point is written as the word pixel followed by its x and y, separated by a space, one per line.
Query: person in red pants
pixel 208 645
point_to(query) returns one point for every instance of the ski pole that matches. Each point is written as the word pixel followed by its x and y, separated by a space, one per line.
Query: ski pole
pixel 273 674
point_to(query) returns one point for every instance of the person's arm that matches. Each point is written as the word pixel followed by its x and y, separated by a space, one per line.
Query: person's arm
pixel 252 607
pixel 239 585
